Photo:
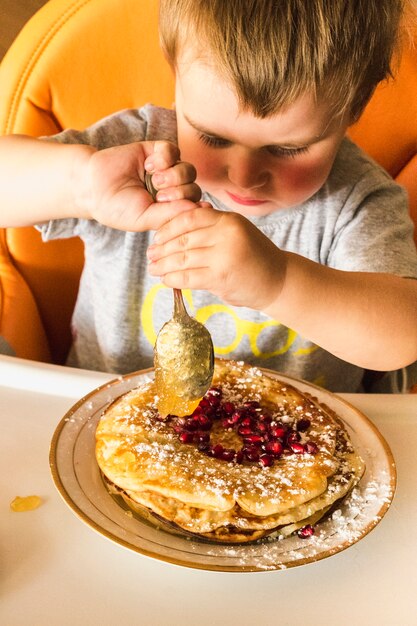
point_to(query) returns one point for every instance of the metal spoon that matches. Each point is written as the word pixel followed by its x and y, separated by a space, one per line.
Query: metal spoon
pixel 183 356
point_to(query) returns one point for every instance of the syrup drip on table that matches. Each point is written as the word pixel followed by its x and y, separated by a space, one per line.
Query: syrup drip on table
pixel 26 503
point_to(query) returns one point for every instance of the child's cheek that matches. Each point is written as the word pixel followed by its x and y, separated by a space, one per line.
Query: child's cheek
pixel 303 179
pixel 208 170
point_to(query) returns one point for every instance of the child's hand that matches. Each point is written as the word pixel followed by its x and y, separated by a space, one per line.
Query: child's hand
pixel 113 192
pixel 221 252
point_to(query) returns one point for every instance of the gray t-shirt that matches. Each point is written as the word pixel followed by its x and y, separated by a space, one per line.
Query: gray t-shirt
pixel 357 221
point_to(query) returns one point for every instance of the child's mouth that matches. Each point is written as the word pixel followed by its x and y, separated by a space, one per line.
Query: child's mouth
pixel 245 201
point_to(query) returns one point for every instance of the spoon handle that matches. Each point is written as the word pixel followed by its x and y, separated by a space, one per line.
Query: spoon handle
pixel 179 306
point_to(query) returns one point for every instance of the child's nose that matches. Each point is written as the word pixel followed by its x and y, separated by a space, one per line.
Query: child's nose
pixel 246 172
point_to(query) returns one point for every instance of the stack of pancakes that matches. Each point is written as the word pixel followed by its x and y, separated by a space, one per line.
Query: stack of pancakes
pixel 257 456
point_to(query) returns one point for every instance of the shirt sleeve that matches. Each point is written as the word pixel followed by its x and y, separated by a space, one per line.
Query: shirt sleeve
pixel 118 129
pixel 127 126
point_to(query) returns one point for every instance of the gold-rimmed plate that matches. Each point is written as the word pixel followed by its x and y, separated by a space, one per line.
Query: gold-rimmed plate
pixel 80 483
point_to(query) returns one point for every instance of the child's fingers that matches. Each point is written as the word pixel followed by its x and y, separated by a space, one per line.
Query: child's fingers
pixel 197 239
pixel 180 261
pixel 197 278
pixel 158 213
pixel 190 191
pixel 160 155
pixel 179 174
pixel 197 218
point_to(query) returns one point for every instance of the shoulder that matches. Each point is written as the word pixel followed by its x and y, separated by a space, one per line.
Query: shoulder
pixel 146 123
pixel 354 169
pixel 358 185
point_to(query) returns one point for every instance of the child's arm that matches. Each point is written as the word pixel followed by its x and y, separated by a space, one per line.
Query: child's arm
pixel 42 180
pixel 368 319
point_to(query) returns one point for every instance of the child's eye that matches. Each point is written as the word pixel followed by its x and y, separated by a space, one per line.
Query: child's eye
pixel 212 140
pixel 278 151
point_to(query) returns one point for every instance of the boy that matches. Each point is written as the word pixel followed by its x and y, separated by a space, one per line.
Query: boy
pixel 300 256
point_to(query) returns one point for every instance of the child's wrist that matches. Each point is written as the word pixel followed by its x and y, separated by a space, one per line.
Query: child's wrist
pixel 273 305
pixel 82 200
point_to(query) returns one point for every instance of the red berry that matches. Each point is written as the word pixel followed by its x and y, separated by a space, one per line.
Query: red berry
pixel 253 439
pixel 277 431
pixel 186 437
pixel 274 447
pixel 303 425
pixel 306 531
pixel 311 447
pixel 229 408
pixel 266 460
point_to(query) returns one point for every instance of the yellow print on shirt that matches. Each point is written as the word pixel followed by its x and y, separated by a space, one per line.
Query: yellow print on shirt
pixel 243 328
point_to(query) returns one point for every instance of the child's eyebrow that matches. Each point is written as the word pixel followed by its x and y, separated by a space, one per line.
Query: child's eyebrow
pixel 201 129
pixel 290 145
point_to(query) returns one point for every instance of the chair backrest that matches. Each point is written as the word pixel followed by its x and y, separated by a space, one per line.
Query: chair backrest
pixel 387 129
pixel 75 62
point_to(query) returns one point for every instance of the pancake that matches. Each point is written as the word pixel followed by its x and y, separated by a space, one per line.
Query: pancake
pixel 257 456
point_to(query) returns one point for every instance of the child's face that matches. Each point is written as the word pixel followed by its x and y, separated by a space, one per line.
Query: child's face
pixel 255 166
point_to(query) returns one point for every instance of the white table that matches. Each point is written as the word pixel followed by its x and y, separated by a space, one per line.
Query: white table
pixel 56 571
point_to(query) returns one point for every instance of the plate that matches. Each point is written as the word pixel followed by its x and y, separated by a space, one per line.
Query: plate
pixel 80 483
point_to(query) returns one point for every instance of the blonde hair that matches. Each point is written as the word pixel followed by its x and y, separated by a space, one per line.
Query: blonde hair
pixel 274 51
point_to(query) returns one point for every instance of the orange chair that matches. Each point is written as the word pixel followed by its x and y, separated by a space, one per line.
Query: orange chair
pixel 79 60
pixel 387 129
pixel 73 63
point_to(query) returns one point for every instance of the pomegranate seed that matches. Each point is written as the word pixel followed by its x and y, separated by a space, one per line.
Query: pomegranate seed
pixel 229 408
pixel 214 401
pixel 240 455
pixel 228 454
pixel 205 423
pixel 293 437
pixel 261 427
pixel 217 450
pixel 244 431
pixel 251 453
pixel 306 531
pixel 247 421
pixel 214 392
pixel 202 437
pixel 186 437
pixel 265 417
pixel 297 448
pixel 253 439
pixel 204 404
pixel 274 447
pixel 311 447
pixel 235 418
pixel 303 425
pixel 266 460
pixel 252 404
pixel 278 432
